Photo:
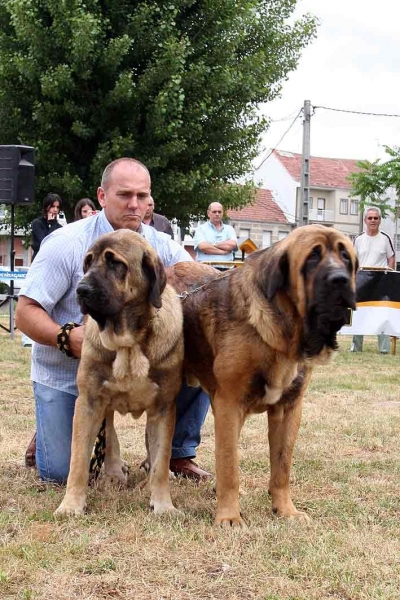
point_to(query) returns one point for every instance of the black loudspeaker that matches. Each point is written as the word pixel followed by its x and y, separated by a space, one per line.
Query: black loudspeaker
pixel 17 175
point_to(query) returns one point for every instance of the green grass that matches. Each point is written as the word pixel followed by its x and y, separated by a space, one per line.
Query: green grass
pixel 345 475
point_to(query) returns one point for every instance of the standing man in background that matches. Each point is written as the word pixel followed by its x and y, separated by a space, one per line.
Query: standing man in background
pixel 214 240
pixel 157 221
pixel 374 248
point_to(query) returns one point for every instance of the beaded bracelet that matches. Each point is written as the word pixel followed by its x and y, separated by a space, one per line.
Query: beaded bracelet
pixel 63 338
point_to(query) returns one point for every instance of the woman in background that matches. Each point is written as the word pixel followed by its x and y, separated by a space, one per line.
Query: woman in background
pixel 48 222
pixel 84 208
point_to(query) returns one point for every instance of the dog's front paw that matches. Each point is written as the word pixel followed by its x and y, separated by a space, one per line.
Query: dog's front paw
pixel 160 508
pixel 301 517
pixel 70 509
pixel 235 521
pixel 292 514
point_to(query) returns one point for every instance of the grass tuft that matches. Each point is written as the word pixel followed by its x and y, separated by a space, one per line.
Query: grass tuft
pixel 345 475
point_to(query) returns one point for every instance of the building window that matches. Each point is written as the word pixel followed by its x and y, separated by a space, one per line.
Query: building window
pixel 310 203
pixel 244 233
pixel 266 239
pixel 354 207
pixel 344 206
pixel 282 235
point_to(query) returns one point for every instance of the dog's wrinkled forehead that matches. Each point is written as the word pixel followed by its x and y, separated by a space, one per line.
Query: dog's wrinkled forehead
pixel 318 244
pixel 126 245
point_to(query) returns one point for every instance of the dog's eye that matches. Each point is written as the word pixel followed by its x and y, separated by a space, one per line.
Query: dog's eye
pixel 315 256
pixel 344 255
pixel 87 262
pixel 116 265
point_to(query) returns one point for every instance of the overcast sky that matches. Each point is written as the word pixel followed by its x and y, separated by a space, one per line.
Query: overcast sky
pixel 353 64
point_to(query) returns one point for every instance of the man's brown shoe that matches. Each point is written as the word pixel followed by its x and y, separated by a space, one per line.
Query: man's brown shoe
pixel 186 467
pixel 30 454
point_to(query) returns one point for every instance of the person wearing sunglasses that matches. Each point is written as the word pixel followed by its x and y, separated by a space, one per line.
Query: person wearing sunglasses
pixel 214 240
pixel 374 249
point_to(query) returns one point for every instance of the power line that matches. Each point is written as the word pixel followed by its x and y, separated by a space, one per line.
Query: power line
pixel 287 118
pixel 276 145
pixel 356 112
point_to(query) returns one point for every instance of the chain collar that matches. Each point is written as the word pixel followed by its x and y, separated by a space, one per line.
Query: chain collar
pixel 186 293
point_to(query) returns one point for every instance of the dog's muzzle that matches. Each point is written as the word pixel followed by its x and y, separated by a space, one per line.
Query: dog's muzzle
pixel 334 296
pixel 95 300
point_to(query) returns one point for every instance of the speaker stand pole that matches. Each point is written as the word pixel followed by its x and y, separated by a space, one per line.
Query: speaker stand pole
pixel 12 267
pixel 10 297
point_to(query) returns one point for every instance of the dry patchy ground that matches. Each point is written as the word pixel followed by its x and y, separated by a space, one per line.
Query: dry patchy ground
pixel 345 475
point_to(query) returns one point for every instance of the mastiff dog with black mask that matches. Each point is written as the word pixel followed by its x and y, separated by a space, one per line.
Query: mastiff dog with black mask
pixel 252 338
pixel 131 362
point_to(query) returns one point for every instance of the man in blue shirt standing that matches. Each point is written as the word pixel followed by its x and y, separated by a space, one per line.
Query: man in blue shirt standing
pixel 48 303
pixel 214 240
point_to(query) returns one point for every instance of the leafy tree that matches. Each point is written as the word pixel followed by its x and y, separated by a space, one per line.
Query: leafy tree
pixel 176 84
pixel 374 182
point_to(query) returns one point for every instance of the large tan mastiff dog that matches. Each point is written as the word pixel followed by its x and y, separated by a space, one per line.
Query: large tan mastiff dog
pixel 131 362
pixel 252 338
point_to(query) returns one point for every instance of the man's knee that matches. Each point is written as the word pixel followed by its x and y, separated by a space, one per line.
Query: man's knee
pixel 52 460
pixel 53 475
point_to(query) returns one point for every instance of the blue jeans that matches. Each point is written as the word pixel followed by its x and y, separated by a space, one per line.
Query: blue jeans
pixel 54 415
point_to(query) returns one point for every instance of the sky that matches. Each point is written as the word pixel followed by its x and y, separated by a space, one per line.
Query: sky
pixel 353 64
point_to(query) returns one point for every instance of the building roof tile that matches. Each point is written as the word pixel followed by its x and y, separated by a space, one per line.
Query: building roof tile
pixel 324 172
pixel 264 209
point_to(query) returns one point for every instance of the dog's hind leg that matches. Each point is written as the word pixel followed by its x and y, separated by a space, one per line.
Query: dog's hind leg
pixel 229 419
pixel 283 426
pixel 116 469
pixel 159 434
pixel 87 420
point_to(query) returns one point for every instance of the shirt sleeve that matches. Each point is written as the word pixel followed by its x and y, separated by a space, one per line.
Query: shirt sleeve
pixel 50 276
pixel 389 249
pixel 173 252
pixel 38 234
pixel 199 236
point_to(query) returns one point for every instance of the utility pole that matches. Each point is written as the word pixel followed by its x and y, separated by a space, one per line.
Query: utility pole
pixel 305 167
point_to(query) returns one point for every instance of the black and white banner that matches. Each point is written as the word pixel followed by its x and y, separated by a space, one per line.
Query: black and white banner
pixel 378 304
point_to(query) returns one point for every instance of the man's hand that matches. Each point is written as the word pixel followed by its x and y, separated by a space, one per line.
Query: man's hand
pixel 228 246
pixel 76 340
pixel 33 320
pixel 211 248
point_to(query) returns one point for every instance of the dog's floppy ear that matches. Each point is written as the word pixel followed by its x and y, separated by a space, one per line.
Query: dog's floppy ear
pixel 155 274
pixel 277 277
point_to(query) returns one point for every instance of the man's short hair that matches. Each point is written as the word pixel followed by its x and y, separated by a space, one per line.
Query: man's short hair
pixel 105 178
pixel 375 208
pixel 209 206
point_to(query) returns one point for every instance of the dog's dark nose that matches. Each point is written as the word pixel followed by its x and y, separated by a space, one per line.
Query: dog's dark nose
pixel 83 290
pixel 338 278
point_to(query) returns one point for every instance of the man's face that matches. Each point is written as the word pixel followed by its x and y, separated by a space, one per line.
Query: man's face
pixel 126 196
pixel 372 222
pixel 215 213
pixel 149 209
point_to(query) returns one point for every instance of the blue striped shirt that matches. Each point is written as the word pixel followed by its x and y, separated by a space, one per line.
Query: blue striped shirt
pixel 52 281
